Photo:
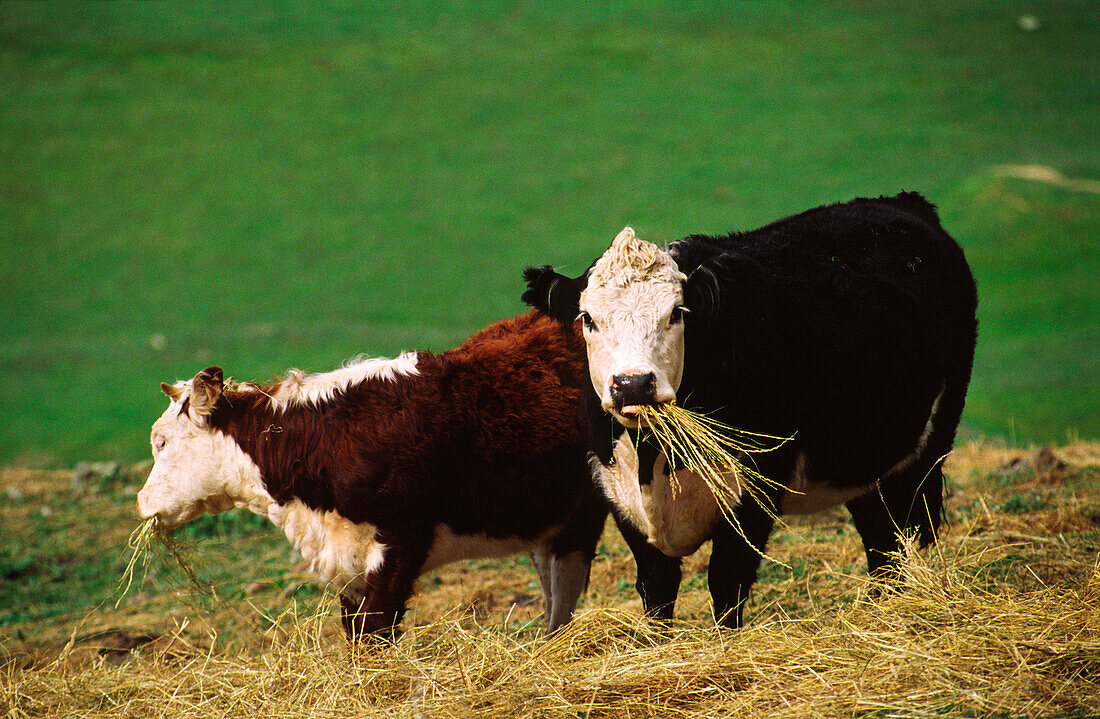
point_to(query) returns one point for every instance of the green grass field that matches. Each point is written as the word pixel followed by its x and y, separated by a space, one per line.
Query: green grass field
pixel 265 185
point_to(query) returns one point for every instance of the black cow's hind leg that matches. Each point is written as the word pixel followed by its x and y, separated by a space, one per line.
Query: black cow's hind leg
pixel 658 574
pixel 910 502
pixel 734 563
pixel 912 499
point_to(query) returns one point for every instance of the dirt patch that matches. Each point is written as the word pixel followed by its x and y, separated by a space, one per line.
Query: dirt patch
pixel 1050 176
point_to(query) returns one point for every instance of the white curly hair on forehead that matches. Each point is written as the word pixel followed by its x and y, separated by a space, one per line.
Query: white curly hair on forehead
pixel 630 259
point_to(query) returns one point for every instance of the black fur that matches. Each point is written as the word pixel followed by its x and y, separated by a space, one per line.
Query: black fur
pixel 554 294
pixel 839 326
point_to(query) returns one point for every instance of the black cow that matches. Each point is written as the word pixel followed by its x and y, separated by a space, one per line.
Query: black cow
pixel 850 327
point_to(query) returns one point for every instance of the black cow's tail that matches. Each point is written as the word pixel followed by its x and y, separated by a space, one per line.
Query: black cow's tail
pixel 960 362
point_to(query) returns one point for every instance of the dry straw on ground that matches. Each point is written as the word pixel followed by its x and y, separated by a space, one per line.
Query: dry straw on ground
pixel 940 643
pixel 1000 618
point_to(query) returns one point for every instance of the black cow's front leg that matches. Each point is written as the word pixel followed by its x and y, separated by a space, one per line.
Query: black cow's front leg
pixel 734 563
pixel 658 574
pixel 387 590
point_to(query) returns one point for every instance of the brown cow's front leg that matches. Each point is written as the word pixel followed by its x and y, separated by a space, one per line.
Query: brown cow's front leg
pixel 361 620
pixel 387 591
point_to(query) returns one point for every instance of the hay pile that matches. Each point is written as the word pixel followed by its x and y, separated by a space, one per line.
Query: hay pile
pixel 1000 618
pixel 948 642
pixel 714 451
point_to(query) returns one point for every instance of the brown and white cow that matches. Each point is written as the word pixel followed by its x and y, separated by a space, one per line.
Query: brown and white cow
pixel 387 468
pixel 849 327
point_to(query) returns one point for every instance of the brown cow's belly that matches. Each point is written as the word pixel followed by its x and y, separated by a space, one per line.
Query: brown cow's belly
pixel 447 546
pixel 676 520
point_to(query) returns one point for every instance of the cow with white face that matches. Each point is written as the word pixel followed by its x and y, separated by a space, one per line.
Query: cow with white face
pixel 197 470
pixel 633 310
pixel 388 468
pixel 849 327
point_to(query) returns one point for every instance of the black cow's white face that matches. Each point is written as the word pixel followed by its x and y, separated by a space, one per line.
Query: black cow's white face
pixel 633 314
pixel 633 302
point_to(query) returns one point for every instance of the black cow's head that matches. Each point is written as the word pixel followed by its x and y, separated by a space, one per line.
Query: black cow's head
pixel 633 302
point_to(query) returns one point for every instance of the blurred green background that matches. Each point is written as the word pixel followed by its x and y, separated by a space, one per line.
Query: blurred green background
pixel 277 184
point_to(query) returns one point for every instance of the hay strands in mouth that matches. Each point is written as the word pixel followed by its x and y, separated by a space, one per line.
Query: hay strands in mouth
pixel 141 546
pixel 713 451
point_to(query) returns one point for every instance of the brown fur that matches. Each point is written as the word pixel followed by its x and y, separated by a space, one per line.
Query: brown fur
pixel 483 439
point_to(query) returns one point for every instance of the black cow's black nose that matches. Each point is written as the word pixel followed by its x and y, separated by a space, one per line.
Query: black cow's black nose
pixel 635 388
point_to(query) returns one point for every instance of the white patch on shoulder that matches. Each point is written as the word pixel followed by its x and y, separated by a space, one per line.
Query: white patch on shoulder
pixel 620 485
pixel 339 551
pixel 447 546
pixel 300 388
pixel 675 522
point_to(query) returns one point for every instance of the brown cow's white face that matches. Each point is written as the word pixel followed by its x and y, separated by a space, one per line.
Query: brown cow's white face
pixel 196 469
pixel 633 312
pixel 199 470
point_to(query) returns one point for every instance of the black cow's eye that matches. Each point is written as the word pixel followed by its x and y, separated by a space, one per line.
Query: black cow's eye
pixel 677 315
pixel 588 323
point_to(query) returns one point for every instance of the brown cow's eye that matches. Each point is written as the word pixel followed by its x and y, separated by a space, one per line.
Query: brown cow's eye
pixel 677 315
pixel 588 323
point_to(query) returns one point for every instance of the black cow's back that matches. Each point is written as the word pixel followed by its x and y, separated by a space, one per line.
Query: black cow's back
pixel 840 325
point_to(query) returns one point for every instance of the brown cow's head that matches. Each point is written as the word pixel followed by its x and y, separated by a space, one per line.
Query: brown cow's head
pixel 196 469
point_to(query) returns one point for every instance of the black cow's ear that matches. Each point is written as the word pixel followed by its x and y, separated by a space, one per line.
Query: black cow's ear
pixel 701 293
pixel 554 294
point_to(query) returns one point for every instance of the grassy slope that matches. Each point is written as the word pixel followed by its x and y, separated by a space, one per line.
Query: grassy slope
pixel 1037 367
pixel 282 187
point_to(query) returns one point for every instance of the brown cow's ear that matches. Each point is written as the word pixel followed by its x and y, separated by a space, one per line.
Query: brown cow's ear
pixel 206 388
pixel 171 390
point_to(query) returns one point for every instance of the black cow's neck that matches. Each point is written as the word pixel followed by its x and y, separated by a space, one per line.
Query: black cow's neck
pixel 600 428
